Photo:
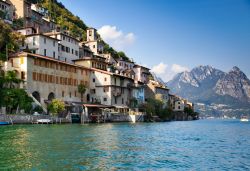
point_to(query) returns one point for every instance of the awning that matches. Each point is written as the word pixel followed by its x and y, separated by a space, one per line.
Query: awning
pixel 121 107
pixel 97 106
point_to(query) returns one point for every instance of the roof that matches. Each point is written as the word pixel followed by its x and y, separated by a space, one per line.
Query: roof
pixel 91 28
pixel 137 66
pixel 37 12
pixel 57 33
pixel 5 2
pixel 39 34
pixel 90 58
pixel 165 88
pixel 24 28
pixel 46 58
pixel 97 106
pixel 123 76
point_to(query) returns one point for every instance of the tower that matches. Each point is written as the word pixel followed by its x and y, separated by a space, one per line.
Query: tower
pixel 92 34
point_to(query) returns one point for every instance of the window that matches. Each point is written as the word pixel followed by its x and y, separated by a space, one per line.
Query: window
pixel 54 54
pixel 122 100
pixel 34 41
pixel 45 52
pixel 105 79
pixel 72 51
pixel 93 80
pixel 94 46
pixel 22 61
pixel 34 76
pixel 76 52
pixel 70 94
pixel 63 37
pixel 115 100
pixel 62 93
pixel 54 43
pixel 75 93
pixel 104 99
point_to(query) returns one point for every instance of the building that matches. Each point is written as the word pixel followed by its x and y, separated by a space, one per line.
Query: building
pixel 46 78
pixel 27 31
pixel 6 10
pixel 138 95
pixel 85 51
pixel 94 42
pixel 179 104
pixel 68 49
pixel 41 44
pixel 96 61
pixel 33 15
pixel 124 65
pixel 141 73
pixel 158 91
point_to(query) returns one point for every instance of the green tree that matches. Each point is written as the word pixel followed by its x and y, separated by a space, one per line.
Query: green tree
pixel 10 79
pixel 56 106
pixel 81 90
pixel 9 40
pixel 16 98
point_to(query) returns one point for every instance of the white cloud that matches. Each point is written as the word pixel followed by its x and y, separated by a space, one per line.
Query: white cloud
pixel 159 69
pixel 178 68
pixel 116 38
pixel 167 72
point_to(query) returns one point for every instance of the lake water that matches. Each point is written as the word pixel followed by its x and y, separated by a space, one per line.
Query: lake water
pixel 192 145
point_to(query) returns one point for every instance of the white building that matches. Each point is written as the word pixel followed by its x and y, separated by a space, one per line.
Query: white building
pixel 141 73
pixel 27 31
pixel 93 41
pixel 124 65
pixel 42 45
pixel 68 46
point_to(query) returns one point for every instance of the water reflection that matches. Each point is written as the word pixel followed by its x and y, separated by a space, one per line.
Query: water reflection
pixel 176 145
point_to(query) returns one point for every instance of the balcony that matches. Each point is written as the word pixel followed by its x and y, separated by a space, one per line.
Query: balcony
pixel 116 93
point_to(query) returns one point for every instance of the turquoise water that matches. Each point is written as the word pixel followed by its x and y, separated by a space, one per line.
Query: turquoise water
pixel 193 145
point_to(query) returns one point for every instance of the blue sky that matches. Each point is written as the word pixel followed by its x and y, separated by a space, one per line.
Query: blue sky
pixel 173 35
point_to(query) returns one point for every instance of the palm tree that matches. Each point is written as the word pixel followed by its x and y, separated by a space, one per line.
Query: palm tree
pixel 11 79
pixel 81 90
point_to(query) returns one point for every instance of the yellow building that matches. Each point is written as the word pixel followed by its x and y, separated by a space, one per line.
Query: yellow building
pixel 47 78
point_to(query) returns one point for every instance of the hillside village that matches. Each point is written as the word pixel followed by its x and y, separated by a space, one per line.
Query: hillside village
pixel 54 63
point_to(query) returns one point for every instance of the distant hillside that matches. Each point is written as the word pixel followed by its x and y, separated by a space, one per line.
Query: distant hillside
pixel 216 91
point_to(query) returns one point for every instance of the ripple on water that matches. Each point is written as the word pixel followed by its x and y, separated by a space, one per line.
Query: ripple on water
pixel 199 145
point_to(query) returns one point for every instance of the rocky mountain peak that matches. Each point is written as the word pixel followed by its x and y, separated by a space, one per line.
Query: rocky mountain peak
pixel 235 83
pixel 235 71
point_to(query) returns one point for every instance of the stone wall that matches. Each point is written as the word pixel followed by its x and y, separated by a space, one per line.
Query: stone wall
pixel 126 118
pixel 29 119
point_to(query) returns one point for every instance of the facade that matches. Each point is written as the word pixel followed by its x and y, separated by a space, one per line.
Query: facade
pixel 124 65
pixel 110 59
pixel 138 95
pixel 84 51
pixel 33 15
pixel 156 90
pixel 27 31
pixel 46 78
pixel 93 41
pixel 42 45
pixel 97 62
pixel 178 104
pixel 7 9
pixel 68 46
pixel 141 73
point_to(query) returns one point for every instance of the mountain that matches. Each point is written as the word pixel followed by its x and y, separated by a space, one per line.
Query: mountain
pixel 214 91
